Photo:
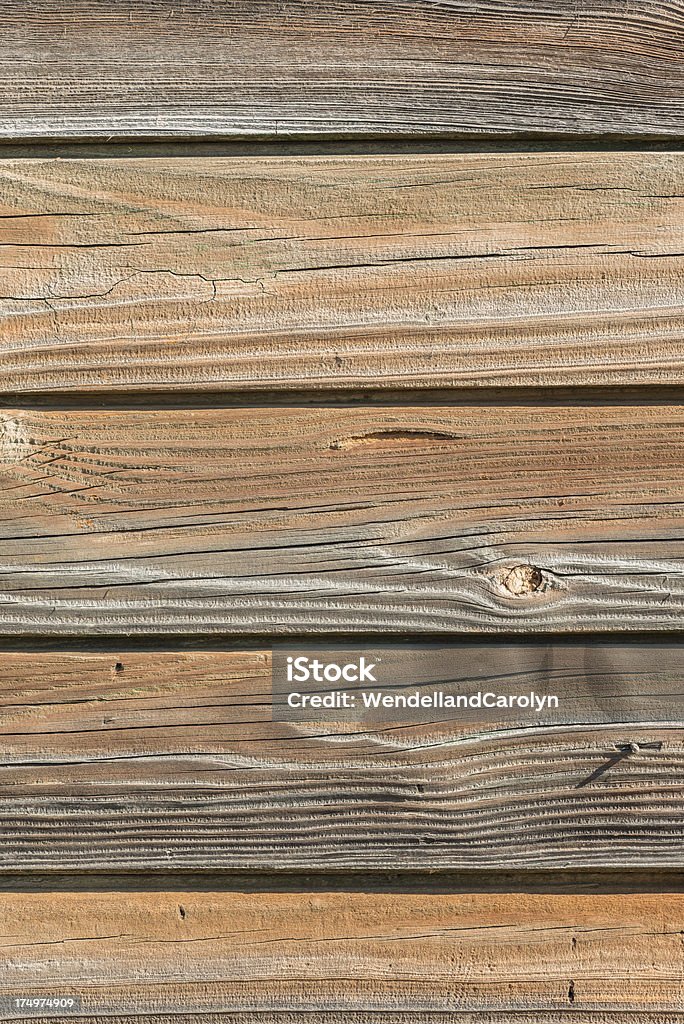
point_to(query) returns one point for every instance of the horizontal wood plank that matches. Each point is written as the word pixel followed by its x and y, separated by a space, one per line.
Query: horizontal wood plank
pixel 196 953
pixel 220 273
pixel 351 67
pixel 158 761
pixel 379 1017
pixel 560 516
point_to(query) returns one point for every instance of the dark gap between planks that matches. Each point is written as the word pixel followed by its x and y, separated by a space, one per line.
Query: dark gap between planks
pixel 254 397
pixel 113 643
pixel 417 881
pixel 325 145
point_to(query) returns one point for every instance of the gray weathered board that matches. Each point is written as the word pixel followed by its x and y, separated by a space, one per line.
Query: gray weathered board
pixel 550 513
pixel 136 68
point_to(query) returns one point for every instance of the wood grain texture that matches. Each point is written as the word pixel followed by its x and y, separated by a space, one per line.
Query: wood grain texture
pixel 197 953
pixel 380 1017
pixel 159 761
pixel 362 67
pixel 293 272
pixel 520 516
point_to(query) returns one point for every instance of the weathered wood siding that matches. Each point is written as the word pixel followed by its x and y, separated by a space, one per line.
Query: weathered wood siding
pixel 389 518
pixel 139 759
pixel 151 953
pixel 241 273
pixel 90 68
pixel 349 322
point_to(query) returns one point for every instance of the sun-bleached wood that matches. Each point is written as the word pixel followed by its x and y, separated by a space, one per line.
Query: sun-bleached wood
pixel 215 273
pixel 195 953
pixel 137 760
pixel 361 68
pixel 561 515
pixel 379 1017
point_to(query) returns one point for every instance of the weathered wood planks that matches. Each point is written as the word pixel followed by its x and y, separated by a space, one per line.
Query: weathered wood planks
pixel 161 761
pixel 364 68
pixel 379 1017
pixel 215 419
pixel 321 272
pixel 548 515
pixel 181 953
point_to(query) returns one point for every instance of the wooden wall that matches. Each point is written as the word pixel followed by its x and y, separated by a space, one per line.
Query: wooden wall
pixel 359 320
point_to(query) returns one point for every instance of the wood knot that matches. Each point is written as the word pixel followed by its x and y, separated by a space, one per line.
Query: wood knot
pixel 15 443
pixel 521 580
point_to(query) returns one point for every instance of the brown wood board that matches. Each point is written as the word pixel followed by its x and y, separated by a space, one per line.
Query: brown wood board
pixel 197 953
pixel 554 516
pixel 363 68
pixel 170 761
pixel 236 273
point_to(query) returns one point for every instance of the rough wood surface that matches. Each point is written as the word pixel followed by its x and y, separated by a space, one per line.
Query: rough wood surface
pixel 563 515
pixel 272 272
pixel 381 1017
pixel 159 761
pixel 523 512
pixel 360 67
pixel 135 953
